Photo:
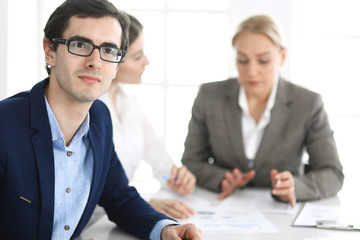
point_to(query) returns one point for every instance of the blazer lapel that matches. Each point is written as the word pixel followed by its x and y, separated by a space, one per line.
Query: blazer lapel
pixel 279 116
pixel 233 116
pixel 43 149
pixel 95 144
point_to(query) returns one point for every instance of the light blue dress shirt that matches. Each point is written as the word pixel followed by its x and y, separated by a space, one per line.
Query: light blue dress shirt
pixel 73 175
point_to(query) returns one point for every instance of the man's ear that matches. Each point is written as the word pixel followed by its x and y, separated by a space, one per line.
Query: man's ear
pixel 50 54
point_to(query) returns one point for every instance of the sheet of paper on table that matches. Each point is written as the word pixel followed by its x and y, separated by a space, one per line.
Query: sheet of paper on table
pixel 231 221
pixel 312 213
pixel 190 200
pixel 259 199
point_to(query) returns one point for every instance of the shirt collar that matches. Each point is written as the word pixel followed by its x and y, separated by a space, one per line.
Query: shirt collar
pixel 270 103
pixel 55 128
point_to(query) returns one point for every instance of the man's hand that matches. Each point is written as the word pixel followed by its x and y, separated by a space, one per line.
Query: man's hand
pixel 181 181
pixel 172 208
pixel 283 186
pixel 178 232
pixel 234 180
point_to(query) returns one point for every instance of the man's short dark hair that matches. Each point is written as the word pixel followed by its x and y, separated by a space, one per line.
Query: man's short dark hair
pixel 59 19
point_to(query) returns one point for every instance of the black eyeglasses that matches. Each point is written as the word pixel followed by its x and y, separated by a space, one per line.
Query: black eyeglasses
pixel 85 49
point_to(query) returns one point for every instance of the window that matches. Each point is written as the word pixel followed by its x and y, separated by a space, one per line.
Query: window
pixel 177 64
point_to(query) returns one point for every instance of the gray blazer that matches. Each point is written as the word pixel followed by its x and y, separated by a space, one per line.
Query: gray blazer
pixel 298 123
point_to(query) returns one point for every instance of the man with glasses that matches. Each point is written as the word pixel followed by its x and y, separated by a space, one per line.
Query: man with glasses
pixel 57 158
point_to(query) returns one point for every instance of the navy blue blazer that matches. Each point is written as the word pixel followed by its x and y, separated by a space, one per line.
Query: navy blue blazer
pixel 27 173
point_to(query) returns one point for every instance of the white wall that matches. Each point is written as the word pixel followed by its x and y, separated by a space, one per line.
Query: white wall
pixel 3 47
pixel 23 46
pixel 281 10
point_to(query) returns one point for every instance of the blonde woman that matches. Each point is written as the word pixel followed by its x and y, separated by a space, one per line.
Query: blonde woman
pixel 252 130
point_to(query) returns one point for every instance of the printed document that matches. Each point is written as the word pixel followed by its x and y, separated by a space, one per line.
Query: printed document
pixel 231 221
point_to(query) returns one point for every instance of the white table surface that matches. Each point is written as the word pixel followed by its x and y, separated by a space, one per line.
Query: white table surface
pixel 103 229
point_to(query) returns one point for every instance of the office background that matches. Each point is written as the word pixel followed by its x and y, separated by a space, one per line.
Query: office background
pixel 188 42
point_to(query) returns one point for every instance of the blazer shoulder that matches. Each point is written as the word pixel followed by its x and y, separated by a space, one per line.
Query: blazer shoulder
pixel 16 99
pixel 231 82
pixel 99 112
pixel 295 91
pixel 219 88
pixel 14 106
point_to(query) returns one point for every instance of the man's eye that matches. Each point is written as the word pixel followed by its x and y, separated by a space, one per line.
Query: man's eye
pixel 77 44
pixel 109 51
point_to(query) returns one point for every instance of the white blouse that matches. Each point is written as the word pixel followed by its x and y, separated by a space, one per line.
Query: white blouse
pixel 134 136
pixel 252 132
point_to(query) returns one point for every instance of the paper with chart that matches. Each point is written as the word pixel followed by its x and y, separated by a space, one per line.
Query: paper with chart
pixel 260 200
pixel 231 221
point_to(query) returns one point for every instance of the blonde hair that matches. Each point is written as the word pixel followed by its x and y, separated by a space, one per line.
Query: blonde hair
pixel 262 24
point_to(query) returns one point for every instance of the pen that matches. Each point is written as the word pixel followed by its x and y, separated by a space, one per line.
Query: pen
pixel 168 178
pixel 332 224
pixel 278 181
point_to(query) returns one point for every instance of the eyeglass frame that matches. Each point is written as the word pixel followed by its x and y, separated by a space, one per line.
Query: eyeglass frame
pixel 68 41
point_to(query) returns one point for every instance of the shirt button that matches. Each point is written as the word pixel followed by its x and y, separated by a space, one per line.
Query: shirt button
pixel 69 154
pixel 68 190
pixel 67 227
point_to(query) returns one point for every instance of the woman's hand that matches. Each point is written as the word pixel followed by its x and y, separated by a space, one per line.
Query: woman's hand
pixel 283 186
pixel 172 208
pixel 234 180
pixel 181 181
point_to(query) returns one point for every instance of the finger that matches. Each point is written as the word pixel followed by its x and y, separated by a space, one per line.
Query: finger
pixel 170 232
pixel 173 173
pixel 249 175
pixel 226 189
pixel 280 191
pixel 237 175
pixel 188 231
pixel 230 178
pixel 273 173
pixel 283 175
pixel 174 208
pixel 284 184
pixel 245 178
pixel 180 185
pixel 183 208
pixel 188 184
pixel 188 210
pixel 286 195
pixel 237 172
pixel 172 185
pixel 192 232
pixel 180 208
pixel 293 201
pixel 283 180
pixel 191 185
pixel 174 213
pixel 181 175
pixel 184 177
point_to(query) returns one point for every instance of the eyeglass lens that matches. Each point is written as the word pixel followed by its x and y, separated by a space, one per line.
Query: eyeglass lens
pixel 85 49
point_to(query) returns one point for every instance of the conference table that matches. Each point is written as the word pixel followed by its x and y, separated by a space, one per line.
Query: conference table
pixel 269 219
